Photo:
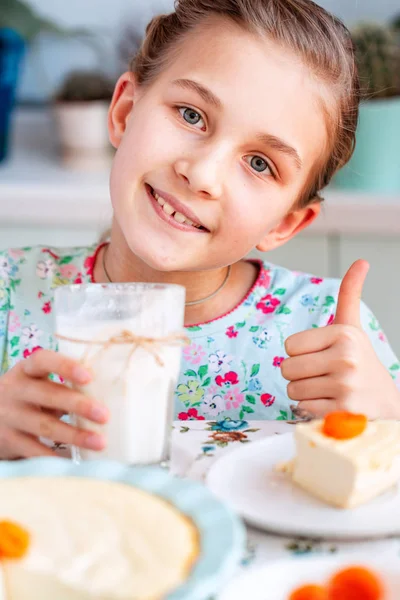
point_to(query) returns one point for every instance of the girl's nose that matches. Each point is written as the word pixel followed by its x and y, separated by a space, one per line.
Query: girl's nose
pixel 203 174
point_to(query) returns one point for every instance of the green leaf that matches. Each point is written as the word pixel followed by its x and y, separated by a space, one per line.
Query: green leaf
pixel 206 382
pixel 194 328
pixel 239 325
pixel 15 353
pixel 241 414
pixel 283 416
pixel 329 300
pixel 14 283
pixel 14 341
pixel 255 370
pixel 395 367
pixel 190 373
pixel 283 310
pixel 65 260
pixel 250 430
pixel 314 325
pixel 254 328
pixel 184 429
pixel 247 409
pixel 203 371
pixel 279 292
pixel 250 398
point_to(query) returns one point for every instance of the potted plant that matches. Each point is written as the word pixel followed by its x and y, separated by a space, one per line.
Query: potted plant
pixel 19 26
pixel 375 164
pixel 80 109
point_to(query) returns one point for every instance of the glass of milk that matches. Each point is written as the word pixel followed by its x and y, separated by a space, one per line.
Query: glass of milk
pixel 130 336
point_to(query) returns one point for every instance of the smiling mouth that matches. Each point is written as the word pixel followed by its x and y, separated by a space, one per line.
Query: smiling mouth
pixel 174 214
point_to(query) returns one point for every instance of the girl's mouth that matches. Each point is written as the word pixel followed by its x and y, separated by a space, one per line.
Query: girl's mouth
pixel 172 216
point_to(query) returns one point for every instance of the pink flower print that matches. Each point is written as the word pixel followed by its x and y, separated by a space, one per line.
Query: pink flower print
pixel 14 322
pixel 278 360
pixel 382 337
pixel 268 304
pixel 68 271
pixel 27 352
pixel 45 268
pixel 330 320
pixel 78 279
pixel 193 353
pixel 46 308
pixel 316 280
pixel 89 264
pixel 231 332
pixel 264 279
pixel 219 361
pixel 40 294
pixel 231 378
pixel 267 399
pixel 15 253
pixel 190 415
pixel 233 399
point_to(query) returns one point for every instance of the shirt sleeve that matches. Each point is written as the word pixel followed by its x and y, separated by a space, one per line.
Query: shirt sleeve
pixel 4 313
pixel 380 343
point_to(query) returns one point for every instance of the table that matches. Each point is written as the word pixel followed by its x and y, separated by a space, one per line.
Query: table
pixel 197 444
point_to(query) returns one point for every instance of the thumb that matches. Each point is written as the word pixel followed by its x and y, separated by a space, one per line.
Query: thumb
pixel 350 292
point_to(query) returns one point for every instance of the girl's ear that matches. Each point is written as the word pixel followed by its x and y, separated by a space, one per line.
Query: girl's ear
pixel 290 226
pixel 121 106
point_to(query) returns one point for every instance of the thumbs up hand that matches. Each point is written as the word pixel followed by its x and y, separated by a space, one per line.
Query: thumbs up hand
pixel 336 368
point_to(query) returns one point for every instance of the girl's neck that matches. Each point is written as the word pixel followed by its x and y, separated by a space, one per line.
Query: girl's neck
pixel 122 266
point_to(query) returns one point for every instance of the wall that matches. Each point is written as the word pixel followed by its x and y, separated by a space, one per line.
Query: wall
pixel 48 60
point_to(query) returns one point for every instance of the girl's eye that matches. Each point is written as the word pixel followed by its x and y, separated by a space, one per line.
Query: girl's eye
pixel 191 116
pixel 257 163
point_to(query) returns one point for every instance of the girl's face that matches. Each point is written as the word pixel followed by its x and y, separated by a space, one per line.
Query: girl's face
pixel 226 136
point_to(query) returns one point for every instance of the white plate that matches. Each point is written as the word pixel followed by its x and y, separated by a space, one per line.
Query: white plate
pixel 246 480
pixel 277 580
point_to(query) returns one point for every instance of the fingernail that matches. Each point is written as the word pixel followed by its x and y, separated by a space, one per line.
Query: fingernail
pixel 81 374
pixel 100 414
pixel 95 442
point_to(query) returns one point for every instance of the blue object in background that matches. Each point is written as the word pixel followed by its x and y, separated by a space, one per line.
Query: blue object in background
pixel 12 49
pixel 375 164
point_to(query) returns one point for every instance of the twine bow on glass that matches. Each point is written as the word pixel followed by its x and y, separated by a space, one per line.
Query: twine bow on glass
pixel 151 344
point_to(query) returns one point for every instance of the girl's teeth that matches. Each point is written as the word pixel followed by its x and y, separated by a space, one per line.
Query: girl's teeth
pixel 179 217
pixel 160 200
pixel 167 208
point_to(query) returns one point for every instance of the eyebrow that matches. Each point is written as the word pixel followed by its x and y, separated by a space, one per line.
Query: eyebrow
pixel 207 95
pixel 265 138
pixel 280 146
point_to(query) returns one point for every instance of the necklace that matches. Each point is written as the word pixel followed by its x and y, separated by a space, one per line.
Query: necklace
pixel 192 302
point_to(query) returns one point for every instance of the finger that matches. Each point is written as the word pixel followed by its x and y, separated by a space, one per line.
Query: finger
pixel 58 397
pixel 40 424
pixel 43 362
pixel 312 340
pixel 25 446
pixel 350 292
pixel 308 365
pixel 311 389
pixel 318 408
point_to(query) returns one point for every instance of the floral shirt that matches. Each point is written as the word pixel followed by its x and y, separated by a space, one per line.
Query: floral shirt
pixel 231 368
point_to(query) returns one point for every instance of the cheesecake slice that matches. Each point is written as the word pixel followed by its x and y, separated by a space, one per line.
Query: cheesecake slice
pixel 93 540
pixel 346 471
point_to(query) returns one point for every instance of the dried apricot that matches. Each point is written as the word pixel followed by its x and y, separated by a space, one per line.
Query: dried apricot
pixel 14 540
pixel 343 425
pixel 355 582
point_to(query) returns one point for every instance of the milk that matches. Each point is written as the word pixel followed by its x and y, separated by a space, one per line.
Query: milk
pixel 137 390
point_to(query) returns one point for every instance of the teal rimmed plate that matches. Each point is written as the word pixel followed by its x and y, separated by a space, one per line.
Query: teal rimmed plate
pixel 222 534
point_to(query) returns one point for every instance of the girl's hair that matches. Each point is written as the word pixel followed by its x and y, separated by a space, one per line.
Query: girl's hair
pixel 317 37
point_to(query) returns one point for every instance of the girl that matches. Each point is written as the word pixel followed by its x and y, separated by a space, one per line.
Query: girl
pixel 233 117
